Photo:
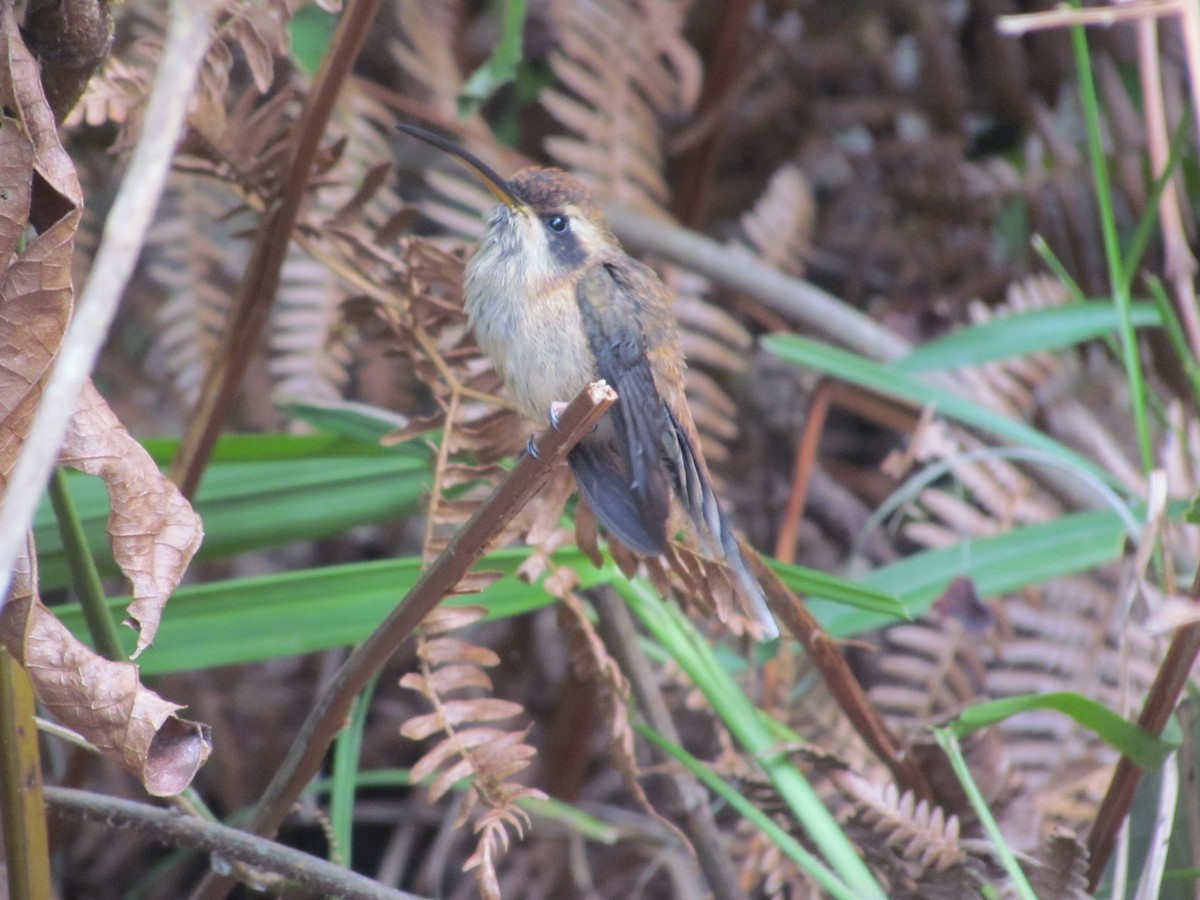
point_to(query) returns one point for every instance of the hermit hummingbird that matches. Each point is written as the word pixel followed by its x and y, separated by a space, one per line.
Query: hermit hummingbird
pixel 556 303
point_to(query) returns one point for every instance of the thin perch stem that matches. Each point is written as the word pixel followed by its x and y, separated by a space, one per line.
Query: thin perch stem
pixel 329 713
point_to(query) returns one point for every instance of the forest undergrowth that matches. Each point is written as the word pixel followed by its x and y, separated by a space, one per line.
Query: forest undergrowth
pixel 933 267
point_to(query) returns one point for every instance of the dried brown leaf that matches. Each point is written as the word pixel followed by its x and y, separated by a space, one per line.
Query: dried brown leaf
pixel 452 650
pixel 16 174
pixel 102 700
pixel 153 529
pixel 455 712
pixel 446 679
pixel 451 747
pixel 447 618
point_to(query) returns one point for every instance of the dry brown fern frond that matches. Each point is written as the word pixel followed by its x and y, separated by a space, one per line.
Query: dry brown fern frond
pixel 627 66
pixel 779 226
pixel 593 663
pixel 918 847
pixel 470 745
pixel 192 258
pixel 1061 868
pixel 624 81
pixel 311 339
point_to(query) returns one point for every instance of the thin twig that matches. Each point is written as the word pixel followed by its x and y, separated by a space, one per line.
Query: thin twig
pixel 120 244
pixel 806 463
pixel 328 714
pixel 260 279
pixel 840 679
pixel 174 829
pixel 621 638
pixel 1160 702
pixel 799 300
pixel 1104 16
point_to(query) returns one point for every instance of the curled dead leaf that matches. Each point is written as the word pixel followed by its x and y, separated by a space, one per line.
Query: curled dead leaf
pixel 152 528
pixel 102 700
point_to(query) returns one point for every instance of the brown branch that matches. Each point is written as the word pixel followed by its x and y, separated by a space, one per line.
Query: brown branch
pixel 1164 696
pixel 806 463
pixel 799 301
pixel 621 639
pixel 22 813
pixel 840 679
pixel 328 714
pixel 260 280
pixel 169 827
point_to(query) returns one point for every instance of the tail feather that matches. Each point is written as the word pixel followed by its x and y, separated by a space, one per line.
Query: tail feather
pixel 751 589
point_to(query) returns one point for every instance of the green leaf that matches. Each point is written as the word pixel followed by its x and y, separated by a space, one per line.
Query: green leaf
pixel 893 383
pixel 1133 741
pixel 1024 333
pixel 261 491
pixel 501 67
pixel 358 422
pixel 250 619
pixel 1020 884
pixel 784 841
pixel 289 613
pixel 832 589
pixel 996 565
pixel 312 29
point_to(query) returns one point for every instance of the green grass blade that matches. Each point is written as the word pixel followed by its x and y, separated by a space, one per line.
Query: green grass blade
pixel 996 565
pixel 1133 741
pixel 784 841
pixel 887 380
pixel 690 651
pixel 1024 333
pixel 832 590
pixel 1020 883
pixel 257 501
pixel 289 613
pixel 1118 279
pixel 347 750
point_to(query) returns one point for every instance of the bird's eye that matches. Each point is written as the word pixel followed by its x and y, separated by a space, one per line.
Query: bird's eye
pixel 556 222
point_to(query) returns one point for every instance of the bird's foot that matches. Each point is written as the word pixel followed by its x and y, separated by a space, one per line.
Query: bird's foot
pixel 556 411
pixel 531 447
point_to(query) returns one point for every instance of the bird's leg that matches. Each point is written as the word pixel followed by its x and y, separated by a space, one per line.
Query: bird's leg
pixel 556 410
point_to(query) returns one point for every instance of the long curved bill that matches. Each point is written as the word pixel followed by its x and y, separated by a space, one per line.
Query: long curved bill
pixel 494 183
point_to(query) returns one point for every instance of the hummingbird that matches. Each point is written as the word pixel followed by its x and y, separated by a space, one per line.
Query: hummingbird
pixel 556 303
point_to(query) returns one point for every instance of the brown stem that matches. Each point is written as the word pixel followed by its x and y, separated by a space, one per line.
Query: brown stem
pixel 260 280
pixel 620 637
pixel 806 461
pixel 328 714
pixel 170 827
pixel 1164 696
pixel 840 679
pixel 698 167
pixel 22 815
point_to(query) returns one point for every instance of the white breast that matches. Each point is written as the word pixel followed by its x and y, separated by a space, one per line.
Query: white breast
pixel 537 345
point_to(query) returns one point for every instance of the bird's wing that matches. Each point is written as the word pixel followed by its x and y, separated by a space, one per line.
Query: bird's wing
pixel 620 468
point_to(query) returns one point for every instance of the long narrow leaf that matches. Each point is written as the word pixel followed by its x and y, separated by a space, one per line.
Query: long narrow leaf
pixel 251 619
pixel 1142 747
pixel 894 383
pixel 297 492
pixel 694 655
pixel 784 841
pixel 1024 333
